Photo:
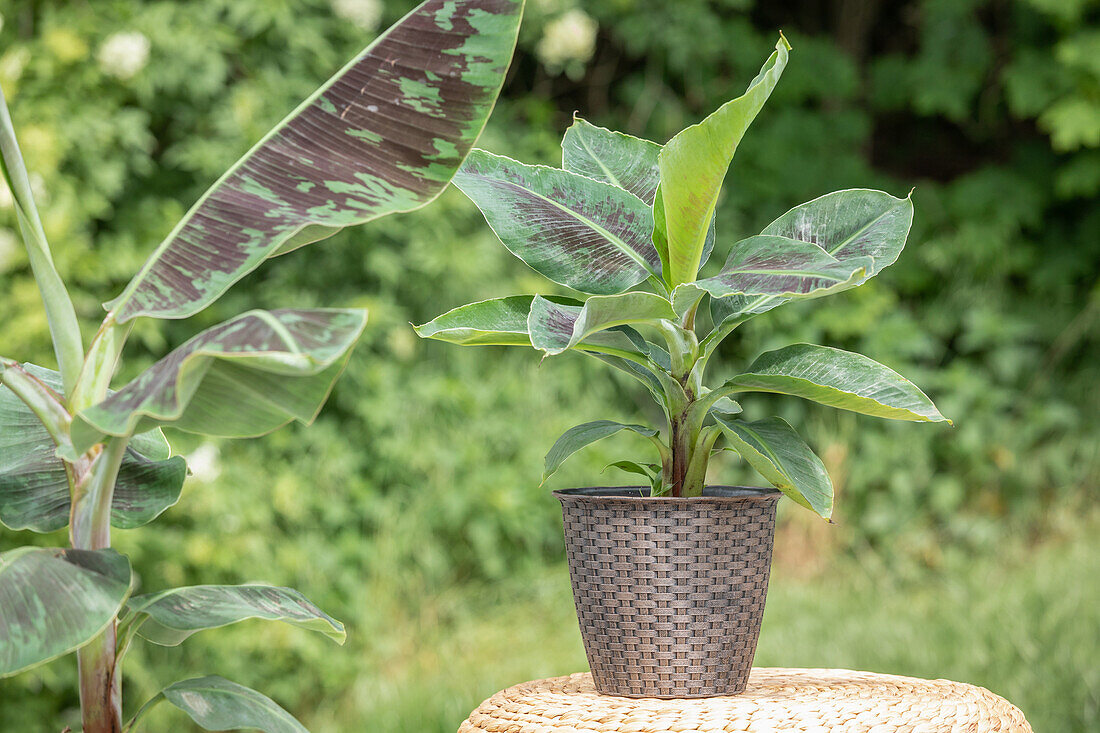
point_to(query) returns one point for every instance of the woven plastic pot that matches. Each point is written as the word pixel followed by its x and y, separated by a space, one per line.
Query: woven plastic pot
pixel 669 591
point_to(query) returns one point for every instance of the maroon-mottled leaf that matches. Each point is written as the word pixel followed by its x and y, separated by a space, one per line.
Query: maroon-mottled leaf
pixel 384 135
pixel 34 488
pixel 612 157
pixel 575 230
pixel 554 327
pixel 245 377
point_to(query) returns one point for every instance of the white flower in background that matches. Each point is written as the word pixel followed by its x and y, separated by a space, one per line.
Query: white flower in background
pixel 363 14
pixel 204 463
pixel 9 248
pixel 123 55
pixel 570 37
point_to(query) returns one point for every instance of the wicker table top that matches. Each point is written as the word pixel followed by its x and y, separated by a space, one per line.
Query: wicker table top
pixel 801 700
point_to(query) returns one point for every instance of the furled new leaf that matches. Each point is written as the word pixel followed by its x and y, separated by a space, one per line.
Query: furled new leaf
pixel 215 703
pixel 577 231
pixel 578 436
pixel 612 157
pixel 53 601
pixel 776 451
pixel 693 165
pixel 384 135
pixel 838 379
pixel 555 328
pixel 169 617
pixel 34 488
pixel 245 377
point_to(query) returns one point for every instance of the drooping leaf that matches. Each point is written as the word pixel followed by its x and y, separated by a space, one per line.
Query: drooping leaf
pixel 693 165
pixel 576 231
pixel 245 377
pixel 838 379
pixel 851 225
pixel 34 488
pixel 215 703
pixel 778 266
pixel 650 470
pixel 53 601
pixel 612 157
pixel 384 135
pixel 578 436
pixel 776 451
pixel 555 328
pixel 169 617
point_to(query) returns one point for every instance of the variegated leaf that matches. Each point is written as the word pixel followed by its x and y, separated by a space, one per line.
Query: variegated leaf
pixel 838 379
pixel 589 235
pixel 34 488
pixel 694 163
pixel 384 135
pixel 169 617
pixel 215 703
pixel 776 451
pixel 555 328
pixel 53 601
pixel 242 378
pixel 777 266
pixel 612 157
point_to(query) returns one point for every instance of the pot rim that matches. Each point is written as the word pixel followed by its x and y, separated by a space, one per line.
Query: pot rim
pixel 640 494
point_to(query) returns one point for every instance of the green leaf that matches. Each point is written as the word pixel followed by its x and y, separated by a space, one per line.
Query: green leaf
pixel 776 451
pixel 778 266
pixel 612 157
pixel 169 617
pixel 555 328
pixel 578 436
pixel 384 135
pixel 693 165
pixel 53 601
pixel 34 487
pixel 838 379
pixel 851 225
pixel 245 377
pixel 503 322
pixel 215 703
pixel 576 231
pixel 650 470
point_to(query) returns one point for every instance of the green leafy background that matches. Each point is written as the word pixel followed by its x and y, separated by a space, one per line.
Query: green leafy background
pixel 411 510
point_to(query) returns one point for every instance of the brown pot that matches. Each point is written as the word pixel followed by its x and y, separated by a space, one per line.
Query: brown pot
pixel 669 591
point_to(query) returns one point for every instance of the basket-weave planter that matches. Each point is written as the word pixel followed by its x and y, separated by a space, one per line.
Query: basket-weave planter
pixel 669 591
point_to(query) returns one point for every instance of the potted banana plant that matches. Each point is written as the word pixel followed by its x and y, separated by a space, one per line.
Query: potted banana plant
pixel 670 578
pixel 384 135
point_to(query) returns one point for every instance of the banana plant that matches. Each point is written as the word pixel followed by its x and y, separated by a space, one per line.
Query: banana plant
pixel 628 223
pixel 386 134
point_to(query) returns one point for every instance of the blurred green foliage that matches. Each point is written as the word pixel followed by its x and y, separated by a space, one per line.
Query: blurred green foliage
pixel 416 491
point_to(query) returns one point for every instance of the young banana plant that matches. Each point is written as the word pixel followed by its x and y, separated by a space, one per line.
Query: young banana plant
pixel 629 223
pixel 384 135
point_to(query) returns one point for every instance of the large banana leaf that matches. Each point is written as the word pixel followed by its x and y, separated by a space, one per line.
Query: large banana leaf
pixel 694 163
pixel 577 231
pixel 384 135
pixel 34 488
pixel 776 451
pixel 838 379
pixel 612 157
pixel 555 328
pixel 53 601
pixel 169 617
pixel 215 703
pixel 245 377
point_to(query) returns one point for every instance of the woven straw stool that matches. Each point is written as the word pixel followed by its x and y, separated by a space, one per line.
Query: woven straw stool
pixel 795 700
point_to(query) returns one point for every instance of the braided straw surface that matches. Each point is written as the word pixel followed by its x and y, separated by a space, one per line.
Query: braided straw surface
pixel 795 700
